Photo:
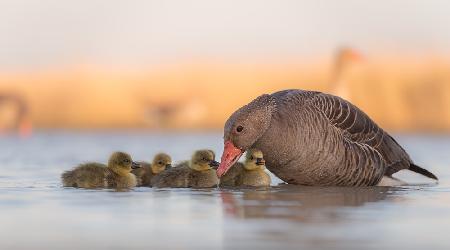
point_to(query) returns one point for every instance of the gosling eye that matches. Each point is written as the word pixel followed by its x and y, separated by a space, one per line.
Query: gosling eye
pixel 126 161
pixel 160 162
pixel 251 158
pixel 239 128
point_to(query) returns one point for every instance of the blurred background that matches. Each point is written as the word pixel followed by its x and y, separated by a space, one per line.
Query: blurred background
pixel 187 65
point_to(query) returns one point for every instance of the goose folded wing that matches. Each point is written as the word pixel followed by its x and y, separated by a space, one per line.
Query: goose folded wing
pixel 357 127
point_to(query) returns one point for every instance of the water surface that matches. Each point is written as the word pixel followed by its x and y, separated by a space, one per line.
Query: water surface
pixel 37 213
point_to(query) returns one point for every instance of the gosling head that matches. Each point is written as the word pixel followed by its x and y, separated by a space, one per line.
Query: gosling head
pixel 203 160
pixel 121 163
pixel 254 160
pixel 161 162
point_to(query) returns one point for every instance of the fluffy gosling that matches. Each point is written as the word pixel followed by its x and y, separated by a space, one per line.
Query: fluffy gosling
pixel 97 175
pixel 147 171
pixel 249 174
pixel 197 173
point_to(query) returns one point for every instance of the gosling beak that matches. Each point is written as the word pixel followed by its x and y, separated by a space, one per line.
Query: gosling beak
pixel 260 161
pixel 135 165
pixel 168 166
pixel 214 164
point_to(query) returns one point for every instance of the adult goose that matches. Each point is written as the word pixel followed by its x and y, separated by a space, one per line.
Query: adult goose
pixel 312 138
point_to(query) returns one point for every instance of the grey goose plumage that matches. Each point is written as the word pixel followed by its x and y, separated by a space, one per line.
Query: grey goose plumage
pixel 312 138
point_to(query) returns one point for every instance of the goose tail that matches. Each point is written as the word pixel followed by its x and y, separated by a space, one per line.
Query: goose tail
pixel 422 171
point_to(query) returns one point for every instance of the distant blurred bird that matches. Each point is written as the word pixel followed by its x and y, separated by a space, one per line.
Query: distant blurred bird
pixel 184 112
pixel 344 57
pixel 22 123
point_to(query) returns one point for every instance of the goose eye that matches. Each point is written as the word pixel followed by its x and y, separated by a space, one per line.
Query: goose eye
pixel 239 128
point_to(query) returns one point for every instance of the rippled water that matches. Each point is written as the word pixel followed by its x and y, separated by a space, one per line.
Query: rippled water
pixel 37 213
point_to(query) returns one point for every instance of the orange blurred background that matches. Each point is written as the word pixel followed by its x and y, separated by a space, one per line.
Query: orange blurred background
pixel 187 65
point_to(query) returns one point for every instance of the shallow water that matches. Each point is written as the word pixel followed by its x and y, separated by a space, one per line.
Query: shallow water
pixel 37 213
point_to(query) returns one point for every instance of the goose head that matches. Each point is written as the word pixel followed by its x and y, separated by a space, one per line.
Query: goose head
pixel 244 127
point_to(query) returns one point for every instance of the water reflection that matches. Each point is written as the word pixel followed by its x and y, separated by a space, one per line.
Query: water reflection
pixel 33 206
pixel 301 204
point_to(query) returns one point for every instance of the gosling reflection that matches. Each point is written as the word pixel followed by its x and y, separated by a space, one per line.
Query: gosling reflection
pixel 299 203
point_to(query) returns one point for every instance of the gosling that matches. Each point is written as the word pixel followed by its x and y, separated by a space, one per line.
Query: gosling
pixel 249 174
pixel 147 171
pixel 97 175
pixel 198 173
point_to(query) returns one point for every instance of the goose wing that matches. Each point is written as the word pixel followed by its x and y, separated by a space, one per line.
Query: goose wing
pixel 356 126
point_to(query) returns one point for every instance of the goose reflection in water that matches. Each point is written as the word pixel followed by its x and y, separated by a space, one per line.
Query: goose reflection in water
pixel 301 203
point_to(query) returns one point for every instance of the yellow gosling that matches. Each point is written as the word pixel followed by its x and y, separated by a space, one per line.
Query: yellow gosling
pixel 147 171
pixel 251 174
pixel 117 174
pixel 199 172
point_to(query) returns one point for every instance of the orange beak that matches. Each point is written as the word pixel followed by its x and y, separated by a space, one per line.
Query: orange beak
pixel 231 155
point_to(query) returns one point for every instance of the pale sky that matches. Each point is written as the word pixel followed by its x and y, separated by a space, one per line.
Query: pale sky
pixel 35 33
